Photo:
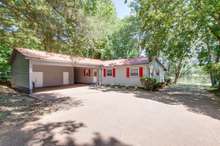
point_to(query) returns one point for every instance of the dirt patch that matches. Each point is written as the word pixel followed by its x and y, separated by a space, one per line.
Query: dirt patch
pixel 16 107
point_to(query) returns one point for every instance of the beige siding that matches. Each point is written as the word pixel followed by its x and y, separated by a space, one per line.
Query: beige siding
pixel 20 73
pixel 53 75
pixel 121 78
pixel 80 78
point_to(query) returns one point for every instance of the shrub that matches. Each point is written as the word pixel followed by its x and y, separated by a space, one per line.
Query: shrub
pixel 161 84
pixel 151 84
pixel 168 81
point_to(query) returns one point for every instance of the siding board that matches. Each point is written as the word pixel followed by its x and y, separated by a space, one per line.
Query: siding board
pixel 53 75
pixel 20 73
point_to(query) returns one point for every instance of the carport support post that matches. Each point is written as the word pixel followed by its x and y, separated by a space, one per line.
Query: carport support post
pixel 99 75
pixel 30 77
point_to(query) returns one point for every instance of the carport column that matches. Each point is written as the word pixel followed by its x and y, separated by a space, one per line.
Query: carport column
pixel 100 75
pixel 30 76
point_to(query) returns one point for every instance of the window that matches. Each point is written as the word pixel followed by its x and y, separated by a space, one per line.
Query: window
pixel 95 73
pixel 134 72
pixel 109 72
pixel 86 72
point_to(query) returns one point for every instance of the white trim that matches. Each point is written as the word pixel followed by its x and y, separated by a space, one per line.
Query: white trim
pixel 43 62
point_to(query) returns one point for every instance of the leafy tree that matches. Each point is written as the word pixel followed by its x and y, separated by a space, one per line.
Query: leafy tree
pixel 207 18
pixel 53 25
pixel 124 42
pixel 76 27
pixel 5 52
pixel 168 29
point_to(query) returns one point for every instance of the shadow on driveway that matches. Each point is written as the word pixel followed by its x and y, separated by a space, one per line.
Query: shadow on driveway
pixel 20 126
pixel 195 98
pixel 51 135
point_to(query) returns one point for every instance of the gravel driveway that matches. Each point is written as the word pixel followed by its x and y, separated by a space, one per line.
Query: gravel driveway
pixel 90 116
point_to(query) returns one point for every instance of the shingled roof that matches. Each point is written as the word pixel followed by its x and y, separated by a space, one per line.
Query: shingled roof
pixel 57 58
pixel 131 61
pixel 68 59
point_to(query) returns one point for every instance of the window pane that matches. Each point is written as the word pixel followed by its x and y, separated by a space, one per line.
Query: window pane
pixel 109 72
pixel 134 72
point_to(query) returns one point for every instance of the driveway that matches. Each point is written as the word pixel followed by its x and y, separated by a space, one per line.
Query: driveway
pixel 90 116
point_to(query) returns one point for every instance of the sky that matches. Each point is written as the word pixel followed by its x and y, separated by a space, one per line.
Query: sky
pixel 122 9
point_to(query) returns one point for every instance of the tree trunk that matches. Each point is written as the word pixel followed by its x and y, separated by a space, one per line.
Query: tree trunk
pixel 178 70
pixel 213 80
pixel 177 75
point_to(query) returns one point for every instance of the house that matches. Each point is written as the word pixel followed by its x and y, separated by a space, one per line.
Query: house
pixel 35 69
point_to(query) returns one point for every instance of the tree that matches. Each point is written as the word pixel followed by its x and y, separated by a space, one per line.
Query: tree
pixel 207 17
pixel 5 52
pixel 76 27
pixel 53 25
pixel 124 42
pixel 168 29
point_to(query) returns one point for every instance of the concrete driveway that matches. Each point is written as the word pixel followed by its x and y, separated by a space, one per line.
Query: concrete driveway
pixel 90 116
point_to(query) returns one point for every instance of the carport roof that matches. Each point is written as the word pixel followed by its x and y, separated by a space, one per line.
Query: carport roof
pixel 68 59
pixel 57 58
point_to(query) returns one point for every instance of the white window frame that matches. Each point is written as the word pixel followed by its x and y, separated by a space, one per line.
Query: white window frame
pixel 136 68
pixel 108 71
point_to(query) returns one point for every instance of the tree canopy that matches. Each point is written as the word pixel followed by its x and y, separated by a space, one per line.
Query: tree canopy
pixel 180 30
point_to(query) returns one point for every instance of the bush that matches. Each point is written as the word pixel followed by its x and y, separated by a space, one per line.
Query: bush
pixel 151 84
pixel 168 81
pixel 5 79
pixel 161 84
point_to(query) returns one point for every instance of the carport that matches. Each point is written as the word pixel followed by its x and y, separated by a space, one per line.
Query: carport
pixel 33 69
pixel 45 74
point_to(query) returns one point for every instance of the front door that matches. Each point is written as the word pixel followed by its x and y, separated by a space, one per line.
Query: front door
pixel 65 78
pixel 37 79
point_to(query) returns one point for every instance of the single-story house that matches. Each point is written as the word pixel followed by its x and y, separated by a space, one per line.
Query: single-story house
pixel 36 69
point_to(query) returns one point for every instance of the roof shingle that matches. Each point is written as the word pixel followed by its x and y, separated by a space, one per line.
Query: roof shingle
pixel 68 59
pixel 57 58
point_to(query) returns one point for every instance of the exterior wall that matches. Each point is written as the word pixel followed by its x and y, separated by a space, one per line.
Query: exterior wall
pixel 121 78
pixel 20 73
pixel 80 78
pixel 154 67
pixel 53 75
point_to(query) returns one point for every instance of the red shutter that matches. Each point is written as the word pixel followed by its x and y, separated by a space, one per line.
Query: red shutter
pixel 104 72
pixel 84 72
pixel 113 72
pixel 127 72
pixel 89 72
pixel 140 71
